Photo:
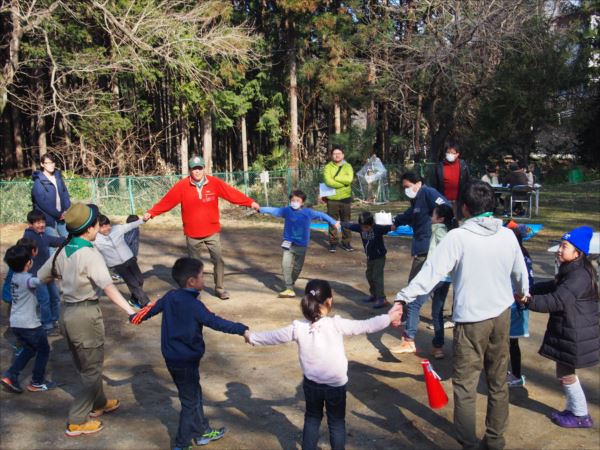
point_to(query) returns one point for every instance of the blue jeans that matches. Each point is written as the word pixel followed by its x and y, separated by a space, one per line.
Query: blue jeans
pixel 437 312
pixel 334 399
pixel 34 341
pixel 413 310
pixel 192 421
pixel 49 299
pixel 58 230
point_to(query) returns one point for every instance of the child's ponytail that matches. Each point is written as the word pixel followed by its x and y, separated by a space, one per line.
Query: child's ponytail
pixel 316 294
pixel 445 212
pixel 53 271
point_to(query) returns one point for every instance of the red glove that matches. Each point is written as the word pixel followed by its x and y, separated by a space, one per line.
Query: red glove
pixel 136 319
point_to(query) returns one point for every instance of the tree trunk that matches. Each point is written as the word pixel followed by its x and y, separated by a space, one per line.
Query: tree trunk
pixel 8 70
pixel 184 143
pixel 244 144
pixel 337 117
pixel 417 126
pixel 17 137
pixel 40 120
pixel 385 131
pixel 293 99
pixel 371 113
pixel 207 141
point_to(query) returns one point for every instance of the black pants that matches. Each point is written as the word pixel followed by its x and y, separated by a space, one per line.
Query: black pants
pixel 334 399
pixel 192 421
pixel 132 275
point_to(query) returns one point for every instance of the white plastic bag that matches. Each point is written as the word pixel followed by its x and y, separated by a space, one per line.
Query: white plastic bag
pixel 383 218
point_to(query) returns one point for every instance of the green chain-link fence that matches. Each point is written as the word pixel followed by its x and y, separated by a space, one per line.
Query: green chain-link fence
pixel 122 196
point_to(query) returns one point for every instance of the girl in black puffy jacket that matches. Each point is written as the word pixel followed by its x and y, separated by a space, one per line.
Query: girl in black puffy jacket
pixel 572 337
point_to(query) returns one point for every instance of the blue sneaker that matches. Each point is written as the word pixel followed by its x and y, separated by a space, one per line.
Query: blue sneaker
pixel 43 386
pixel 189 447
pixel 211 435
pixel 11 384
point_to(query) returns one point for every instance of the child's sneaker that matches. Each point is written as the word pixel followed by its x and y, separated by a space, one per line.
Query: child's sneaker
pixel 370 299
pixel 89 427
pixel 381 303
pixel 189 447
pixel 288 293
pixel 11 385
pixel 567 419
pixel 211 435
pixel 437 353
pixel 43 386
pixel 448 324
pixel 404 347
pixel 110 406
pixel 514 381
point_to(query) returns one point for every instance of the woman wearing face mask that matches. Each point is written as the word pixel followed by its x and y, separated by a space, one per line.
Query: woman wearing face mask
pixel 296 236
pixel 451 176
pixel 423 200
pixel 50 195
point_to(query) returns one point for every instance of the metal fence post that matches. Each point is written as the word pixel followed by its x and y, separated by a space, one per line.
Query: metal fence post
pixel 131 199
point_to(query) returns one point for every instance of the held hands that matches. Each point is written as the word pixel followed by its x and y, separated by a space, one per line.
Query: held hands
pixel 247 337
pixel 138 317
pixel 395 314
pixel 394 227
pixel 522 299
pixel 147 217
pixel 338 226
pixel 255 206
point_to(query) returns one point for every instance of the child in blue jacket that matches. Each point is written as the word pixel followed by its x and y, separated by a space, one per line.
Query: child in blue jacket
pixel 182 346
pixel 296 235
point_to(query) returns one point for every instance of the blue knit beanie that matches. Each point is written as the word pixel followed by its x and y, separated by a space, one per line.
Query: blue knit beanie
pixel 580 238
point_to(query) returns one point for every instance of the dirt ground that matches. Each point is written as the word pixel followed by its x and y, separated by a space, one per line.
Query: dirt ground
pixel 256 392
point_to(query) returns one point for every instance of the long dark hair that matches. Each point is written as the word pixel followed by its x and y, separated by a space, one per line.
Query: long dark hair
pixel 316 294
pixel 445 212
pixel 71 235
pixel 519 236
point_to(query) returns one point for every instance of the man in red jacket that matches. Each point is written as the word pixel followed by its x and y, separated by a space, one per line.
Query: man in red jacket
pixel 198 196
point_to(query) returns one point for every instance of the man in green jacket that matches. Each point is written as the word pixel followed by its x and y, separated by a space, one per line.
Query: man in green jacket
pixel 338 174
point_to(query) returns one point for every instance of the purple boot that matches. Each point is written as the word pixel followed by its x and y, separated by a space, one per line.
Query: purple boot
pixel 567 419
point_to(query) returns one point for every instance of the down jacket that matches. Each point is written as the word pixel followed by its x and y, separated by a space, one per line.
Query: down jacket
pixel 43 196
pixel 572 336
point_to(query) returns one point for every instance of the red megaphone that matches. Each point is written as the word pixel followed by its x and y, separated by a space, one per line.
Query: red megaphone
pixel 435 390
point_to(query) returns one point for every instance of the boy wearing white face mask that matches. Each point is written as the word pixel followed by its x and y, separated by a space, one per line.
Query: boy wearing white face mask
pixel 451 175
pixel 296 236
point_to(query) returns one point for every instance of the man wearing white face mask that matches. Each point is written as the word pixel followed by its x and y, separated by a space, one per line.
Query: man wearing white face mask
pixel 423 200
pixel 296 236
pixel 451 176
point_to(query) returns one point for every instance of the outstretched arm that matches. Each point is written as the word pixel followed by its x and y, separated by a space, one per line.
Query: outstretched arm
pixel 353 327
pixel 273 337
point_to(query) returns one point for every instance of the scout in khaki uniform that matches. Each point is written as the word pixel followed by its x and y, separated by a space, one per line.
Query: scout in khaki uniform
pixel 82 273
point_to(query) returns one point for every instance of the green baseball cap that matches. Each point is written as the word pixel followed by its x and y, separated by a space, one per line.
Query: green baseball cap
pixel 196 161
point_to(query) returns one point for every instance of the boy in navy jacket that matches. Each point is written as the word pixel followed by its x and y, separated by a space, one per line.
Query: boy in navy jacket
pixel 48 294
pixel 182 346
pixel 372 239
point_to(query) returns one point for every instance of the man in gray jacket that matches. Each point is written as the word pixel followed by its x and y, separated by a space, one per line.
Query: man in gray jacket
pixel 482 257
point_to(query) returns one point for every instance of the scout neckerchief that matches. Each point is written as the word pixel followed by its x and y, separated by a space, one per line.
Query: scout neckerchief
pixel 199 184
pixel 485 214
pixel 75 244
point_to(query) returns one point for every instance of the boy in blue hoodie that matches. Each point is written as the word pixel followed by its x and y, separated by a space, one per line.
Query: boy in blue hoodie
pixel 182 346
pixel 47 294
pixel 296 235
